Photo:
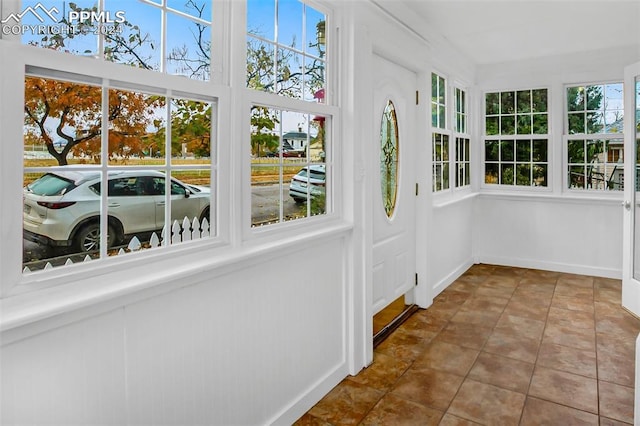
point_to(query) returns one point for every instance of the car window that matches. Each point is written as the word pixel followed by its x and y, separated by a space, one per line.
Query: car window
pixel 131 186
pixel 313 174
pixel 50 184
pixel 177 189
pixel 317 174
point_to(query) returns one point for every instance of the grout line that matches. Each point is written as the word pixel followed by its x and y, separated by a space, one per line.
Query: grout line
pixel 595 334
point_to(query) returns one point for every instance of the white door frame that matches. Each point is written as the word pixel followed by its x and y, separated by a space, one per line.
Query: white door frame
pixel 630 285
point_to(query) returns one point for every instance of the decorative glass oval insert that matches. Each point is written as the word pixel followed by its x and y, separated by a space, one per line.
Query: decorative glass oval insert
pixel 389 158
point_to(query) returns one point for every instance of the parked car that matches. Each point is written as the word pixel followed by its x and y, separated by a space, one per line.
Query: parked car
pixel 312 178
pixel 62 208
pixel 288 153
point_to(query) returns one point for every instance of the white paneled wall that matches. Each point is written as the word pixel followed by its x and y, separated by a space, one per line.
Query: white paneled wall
pixel 68 376
pixel 568 235
pixel 243 348
pixel 450 242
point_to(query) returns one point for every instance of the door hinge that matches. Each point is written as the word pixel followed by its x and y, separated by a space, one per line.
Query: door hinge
pixel 417 97
pixel 416 278
pixel 417 189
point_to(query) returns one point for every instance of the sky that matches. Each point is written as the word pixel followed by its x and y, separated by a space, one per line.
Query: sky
pixel 295 24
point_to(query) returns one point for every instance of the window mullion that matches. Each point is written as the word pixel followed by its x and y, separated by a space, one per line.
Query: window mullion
pixel 104 157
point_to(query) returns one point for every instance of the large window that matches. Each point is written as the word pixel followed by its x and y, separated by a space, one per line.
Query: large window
pixel 450 138
pixel 440 135
pixel 440 143
pixel 290 117
pixel 152 151
pixel 162 35
pixel 288 168
pixel 516 138
pixel 594 139
pixel 438 101
pixel 286 48
pixel 462 139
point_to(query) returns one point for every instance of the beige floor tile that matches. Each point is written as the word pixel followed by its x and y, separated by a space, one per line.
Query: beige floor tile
pixel 520 326
pixel 429 387
pixel 402 345
pixel 615 368
pixel 393 410
pixel 565 358
pixel 528 308
pixel 616 402
pixel 569 318
pixel 572 304
pixel 502 372
pixel 538 412
pixel 468 335
pixel 565 389
pixel 347 403
pixel 447 357
pixel 579 338
pixel 451 420
pixel 512 346
pixel 383 373
pixel 487 404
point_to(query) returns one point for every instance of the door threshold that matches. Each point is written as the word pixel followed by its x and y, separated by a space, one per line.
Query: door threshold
pixel 394 324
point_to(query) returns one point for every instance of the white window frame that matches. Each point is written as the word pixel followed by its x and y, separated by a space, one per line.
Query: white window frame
pixel 566 137
pixel 441 163
pixel 450 130
pixel 457 134
pixel 445 131
pixel 13 280
pixel 532 136
pixel 329 109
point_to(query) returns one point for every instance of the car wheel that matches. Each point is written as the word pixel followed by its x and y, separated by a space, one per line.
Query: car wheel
pixel 299 200
pixel 205 214
pixel 88 239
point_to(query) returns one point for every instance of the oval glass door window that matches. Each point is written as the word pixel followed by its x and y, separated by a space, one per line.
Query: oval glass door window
pixel 389 158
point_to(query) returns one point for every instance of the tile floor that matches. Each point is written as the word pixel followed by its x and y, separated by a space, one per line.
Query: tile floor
pixel 500 346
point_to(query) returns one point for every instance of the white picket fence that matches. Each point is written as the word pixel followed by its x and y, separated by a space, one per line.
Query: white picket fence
pixel 187 231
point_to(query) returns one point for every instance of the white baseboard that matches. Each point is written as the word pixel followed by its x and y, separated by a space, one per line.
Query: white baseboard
pixel 451 277
pixel 308 399
pixel 551 266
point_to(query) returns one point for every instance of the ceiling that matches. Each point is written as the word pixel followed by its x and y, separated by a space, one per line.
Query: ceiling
pixel 507 30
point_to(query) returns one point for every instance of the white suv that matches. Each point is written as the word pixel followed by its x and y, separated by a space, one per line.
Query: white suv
pixel 310 179
pixel 62 208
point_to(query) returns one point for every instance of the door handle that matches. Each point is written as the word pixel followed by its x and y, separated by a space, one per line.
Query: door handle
pixel 114 205
pixel 160 203
pixel 626 204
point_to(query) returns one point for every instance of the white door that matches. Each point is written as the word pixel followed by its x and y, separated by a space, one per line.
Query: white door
pixel 631 203
pixel 394 180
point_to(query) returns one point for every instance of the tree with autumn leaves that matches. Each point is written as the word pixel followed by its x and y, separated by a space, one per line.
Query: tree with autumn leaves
pixel 67 118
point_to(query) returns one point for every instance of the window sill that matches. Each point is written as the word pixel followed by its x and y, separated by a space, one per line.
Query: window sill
pixel 565 197
pixel 453 198
pixel 41 309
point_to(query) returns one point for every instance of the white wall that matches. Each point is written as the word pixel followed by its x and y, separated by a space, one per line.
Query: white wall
pixel 243 348
pixel 450 242
pixel 552 233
